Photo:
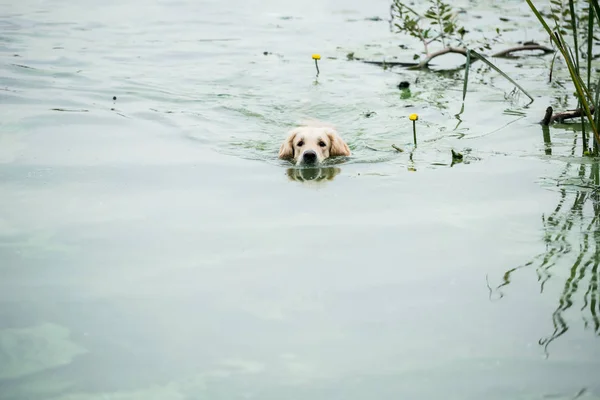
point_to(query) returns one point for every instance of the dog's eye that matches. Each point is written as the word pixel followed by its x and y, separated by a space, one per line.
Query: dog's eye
pixel 322 144
pixel 300 143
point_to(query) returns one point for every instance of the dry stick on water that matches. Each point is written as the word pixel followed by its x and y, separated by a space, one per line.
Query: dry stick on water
pixel 562 116
pixel 527 47
pixel 457 50
pixel 547 117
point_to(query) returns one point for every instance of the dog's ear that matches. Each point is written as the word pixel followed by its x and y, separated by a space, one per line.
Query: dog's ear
pixel 286 151
pixel 338 146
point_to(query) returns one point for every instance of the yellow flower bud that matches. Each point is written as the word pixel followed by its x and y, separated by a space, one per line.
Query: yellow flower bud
pixel 413 117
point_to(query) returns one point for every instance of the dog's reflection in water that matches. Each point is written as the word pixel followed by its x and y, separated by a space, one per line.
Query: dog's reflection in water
pixel 312 174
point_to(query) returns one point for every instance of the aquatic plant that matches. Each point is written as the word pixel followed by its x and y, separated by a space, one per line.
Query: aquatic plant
pixel 316 57
pixel 571 237
pixel 439 23
pixel 573 35
pixel 572 233
pixel 414 118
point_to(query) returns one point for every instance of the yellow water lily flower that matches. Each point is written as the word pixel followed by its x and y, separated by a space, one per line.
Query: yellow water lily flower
pixel 413 117
pixel 316 56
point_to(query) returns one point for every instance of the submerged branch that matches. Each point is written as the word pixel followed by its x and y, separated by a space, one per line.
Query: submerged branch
pixel 563 116
pixel 389 63
pixel 547 116
pixel 527 47
pixel 458 50
pixel 428 59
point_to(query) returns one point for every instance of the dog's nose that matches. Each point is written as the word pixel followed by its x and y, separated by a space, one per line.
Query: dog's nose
pixel 309 157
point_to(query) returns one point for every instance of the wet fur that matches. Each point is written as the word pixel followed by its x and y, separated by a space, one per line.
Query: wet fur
pixel 319 138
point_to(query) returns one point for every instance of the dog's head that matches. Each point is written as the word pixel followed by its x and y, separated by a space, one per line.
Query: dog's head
pixel 307 145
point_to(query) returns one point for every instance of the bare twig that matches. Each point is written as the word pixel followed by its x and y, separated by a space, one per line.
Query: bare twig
pixel 390 63
pixel 562 116
pixel 547 117
pixel 425 62
pixel 528 47
pixel 457 50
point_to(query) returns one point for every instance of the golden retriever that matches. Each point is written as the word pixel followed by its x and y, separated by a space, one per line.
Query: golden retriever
pixel 311 145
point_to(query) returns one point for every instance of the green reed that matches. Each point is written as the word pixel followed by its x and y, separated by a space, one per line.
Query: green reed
pixel 566 26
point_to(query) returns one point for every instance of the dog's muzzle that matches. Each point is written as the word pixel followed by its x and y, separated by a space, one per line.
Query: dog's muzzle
pixel 309 157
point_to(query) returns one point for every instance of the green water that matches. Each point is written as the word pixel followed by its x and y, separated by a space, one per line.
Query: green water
pixel 153 247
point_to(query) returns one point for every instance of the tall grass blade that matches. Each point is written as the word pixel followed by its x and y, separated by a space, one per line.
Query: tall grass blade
pixel 574 29
pixel 540 18
pixel 584 142
pixel 552 66
pixel 498 70
pixel 467 65
pixel 582 92
pixel 597 106
pixel 577 81
pixel 596 7
pixel 590 42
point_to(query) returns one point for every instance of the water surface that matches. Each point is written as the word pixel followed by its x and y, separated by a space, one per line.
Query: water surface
pixel 153 247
